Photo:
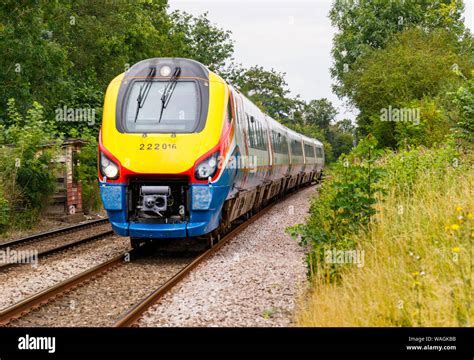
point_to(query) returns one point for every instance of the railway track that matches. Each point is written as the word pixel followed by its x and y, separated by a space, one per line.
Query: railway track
pixel 132 315
pixel 28 243
pixel 24 307
pixel 51 233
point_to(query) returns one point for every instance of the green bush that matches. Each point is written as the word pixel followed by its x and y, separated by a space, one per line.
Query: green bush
pixel 344 207
pixel 27 171
pixel 4 210
pixel 407 167
pixel 357 185
pixel 464 99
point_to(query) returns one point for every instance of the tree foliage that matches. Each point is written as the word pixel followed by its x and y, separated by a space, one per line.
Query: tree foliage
pixel 464 128
pixel 197 38
pixel 367 25
pixel 27 173
pixel 63 53
pixel 414 71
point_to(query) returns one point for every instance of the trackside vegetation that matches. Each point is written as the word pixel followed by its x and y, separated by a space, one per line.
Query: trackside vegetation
pixel 389 236
pixel 417 245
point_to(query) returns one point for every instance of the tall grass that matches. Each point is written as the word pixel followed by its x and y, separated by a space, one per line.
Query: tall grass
pixel 418 251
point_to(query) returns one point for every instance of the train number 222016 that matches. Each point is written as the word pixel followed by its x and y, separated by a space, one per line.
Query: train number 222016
pixel 157 146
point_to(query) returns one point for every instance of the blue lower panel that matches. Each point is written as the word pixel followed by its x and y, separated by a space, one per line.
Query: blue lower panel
pixel 160 231
pixel 204 216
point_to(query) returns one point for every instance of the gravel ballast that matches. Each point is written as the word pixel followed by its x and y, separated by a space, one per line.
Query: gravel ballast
pixel 254 280
pixel 25 280
pixel 100 302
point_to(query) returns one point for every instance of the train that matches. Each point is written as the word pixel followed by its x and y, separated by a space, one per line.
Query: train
pixel 184 154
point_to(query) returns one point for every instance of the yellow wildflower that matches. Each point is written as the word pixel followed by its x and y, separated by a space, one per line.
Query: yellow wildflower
pixel 455 227
pixel 456 249
pixel 458 209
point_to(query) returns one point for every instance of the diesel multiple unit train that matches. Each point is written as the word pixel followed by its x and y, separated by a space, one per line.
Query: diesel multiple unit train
pixel 184 154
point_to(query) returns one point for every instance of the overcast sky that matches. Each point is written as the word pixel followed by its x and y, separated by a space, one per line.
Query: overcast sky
pixel 294 37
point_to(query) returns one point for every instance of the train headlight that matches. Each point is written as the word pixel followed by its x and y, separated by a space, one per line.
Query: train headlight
pixel 165 71
pixel 207 168
pixel 108 167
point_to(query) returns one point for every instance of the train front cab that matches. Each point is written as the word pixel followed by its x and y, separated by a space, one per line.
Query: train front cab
pixel 156 193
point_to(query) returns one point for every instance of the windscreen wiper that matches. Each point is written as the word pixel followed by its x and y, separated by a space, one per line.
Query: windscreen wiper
pixel 170 86
pixel 144 91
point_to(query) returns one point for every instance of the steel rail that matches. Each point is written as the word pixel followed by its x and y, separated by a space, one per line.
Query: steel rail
pixel 30 259
pixel 42 298
pixel 51 233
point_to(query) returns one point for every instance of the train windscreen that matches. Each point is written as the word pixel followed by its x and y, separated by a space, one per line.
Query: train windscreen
pixel 180 114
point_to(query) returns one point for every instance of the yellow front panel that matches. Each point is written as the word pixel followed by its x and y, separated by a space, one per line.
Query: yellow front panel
pixel 162 153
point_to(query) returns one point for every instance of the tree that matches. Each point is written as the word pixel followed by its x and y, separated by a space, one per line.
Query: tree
pixel 198 39
pixel 346 126
pixel 415 66
pixel 32 66
pixel 63 53
pixel 266 88
pixel 367 25
pixel 320 112
pixel 27 171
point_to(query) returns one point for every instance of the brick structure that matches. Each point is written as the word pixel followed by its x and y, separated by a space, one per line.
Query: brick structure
pixel 68 197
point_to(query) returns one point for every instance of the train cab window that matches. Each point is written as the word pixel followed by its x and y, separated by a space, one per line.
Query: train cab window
pixel 319 152
pixel 180 115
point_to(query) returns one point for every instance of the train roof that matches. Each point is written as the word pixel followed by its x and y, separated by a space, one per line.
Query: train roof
pixel 189 67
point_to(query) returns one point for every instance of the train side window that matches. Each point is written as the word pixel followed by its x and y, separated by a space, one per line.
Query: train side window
pixel 296 148
pixel 276 142
pixel 319 152
pixel 257 135
pixel 284 144
pixel 250 132
pixel 265 139
pixel 309 151
pixel 255 125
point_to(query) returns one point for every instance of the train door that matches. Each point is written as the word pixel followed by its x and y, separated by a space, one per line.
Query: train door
pixel 242 143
